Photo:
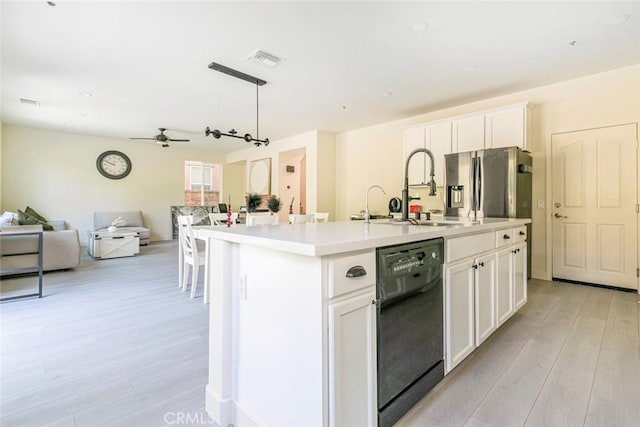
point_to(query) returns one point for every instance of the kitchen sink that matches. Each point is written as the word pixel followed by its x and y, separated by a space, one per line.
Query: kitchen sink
pixel 424 223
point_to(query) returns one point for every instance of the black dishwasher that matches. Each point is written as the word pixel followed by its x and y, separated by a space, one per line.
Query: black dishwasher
pixel 410 325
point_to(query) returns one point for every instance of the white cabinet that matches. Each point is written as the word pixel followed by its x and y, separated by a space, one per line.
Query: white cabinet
pixel 485 283
pixel 437 138
pixel 505 285
pixel 485 297
pixel 520 275
pixel 351 323
pixel 459 312
pixel 352 361
pixel 501 127
pixel 468 133
pixel 508 127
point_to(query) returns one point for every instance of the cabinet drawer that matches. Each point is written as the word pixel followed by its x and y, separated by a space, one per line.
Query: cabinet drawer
pixel 350 273
pixel 463 247
pixel 504 237
pixel 520 234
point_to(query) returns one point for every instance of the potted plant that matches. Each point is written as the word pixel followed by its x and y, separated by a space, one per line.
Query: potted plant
pixel 274 204
pixel 253 201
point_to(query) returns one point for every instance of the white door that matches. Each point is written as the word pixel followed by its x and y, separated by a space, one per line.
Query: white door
pixel 594 188
pixel 459 312
pixel 520 274
pixel 485 298
pixel 505 285
pixel 352 362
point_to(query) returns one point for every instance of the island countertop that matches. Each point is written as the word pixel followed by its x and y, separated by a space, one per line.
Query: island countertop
pixel 320 239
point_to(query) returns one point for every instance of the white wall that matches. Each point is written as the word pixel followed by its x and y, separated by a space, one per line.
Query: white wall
pixel 55 173
pixel 373 155
pixel 320 160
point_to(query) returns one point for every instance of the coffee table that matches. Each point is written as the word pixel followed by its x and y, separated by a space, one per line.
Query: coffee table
pixel 104 245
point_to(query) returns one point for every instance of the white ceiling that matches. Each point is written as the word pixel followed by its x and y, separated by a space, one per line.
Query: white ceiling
pixel 145 63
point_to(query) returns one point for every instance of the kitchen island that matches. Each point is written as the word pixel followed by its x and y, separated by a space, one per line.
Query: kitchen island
pixel 293 339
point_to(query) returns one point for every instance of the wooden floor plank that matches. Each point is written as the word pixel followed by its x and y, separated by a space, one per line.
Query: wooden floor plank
pixel 511 399
pixel 564 398
pixel 615 397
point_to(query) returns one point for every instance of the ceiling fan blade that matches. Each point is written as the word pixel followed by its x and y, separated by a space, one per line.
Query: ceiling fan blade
pixel 148 139
pixel 179 140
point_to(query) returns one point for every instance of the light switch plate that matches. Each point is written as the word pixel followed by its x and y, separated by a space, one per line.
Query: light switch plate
pixel 540 204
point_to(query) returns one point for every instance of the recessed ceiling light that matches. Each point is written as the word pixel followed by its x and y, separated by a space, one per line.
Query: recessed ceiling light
pixel 617 20
pixel 386 94
pixel 419 27
pixel 87 94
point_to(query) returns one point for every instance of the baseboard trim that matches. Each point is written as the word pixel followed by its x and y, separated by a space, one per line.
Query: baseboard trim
pixel 595 285
pixel 220 410
pixel 244 418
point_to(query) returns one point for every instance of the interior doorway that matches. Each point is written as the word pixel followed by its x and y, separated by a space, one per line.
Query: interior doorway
pixel 595 206
pixel 292 182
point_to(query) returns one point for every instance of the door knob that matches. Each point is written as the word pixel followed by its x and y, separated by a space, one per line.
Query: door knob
pixel 557 215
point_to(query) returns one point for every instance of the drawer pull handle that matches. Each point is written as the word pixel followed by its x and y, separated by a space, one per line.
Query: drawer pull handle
pixel 506 237
pixel 522 233
pixel 356 271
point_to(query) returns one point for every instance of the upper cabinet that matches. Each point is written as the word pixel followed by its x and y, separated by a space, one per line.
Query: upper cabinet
pixel 508 127
pixel 502 127
pixel 468 133
pixel 437 138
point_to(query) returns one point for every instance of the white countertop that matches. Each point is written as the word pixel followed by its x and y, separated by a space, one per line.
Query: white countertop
pixel 319 239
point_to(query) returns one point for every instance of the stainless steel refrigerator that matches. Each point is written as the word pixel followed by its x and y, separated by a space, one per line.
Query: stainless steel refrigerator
pixel 491 183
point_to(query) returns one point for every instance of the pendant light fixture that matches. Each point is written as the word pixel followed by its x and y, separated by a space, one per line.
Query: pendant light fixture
pixel 216 133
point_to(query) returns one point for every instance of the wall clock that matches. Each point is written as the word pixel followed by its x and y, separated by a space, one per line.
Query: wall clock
pixel 113 164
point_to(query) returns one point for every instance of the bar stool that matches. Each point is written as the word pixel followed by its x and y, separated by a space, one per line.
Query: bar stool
pixel 191 256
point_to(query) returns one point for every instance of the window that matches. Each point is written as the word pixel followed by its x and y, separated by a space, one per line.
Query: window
pixel 201 184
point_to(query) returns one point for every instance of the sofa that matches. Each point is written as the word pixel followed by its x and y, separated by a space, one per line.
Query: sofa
pixel 60 249
pixel 132 223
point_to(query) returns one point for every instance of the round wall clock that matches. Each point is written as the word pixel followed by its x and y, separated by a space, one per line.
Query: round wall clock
pixel 113 164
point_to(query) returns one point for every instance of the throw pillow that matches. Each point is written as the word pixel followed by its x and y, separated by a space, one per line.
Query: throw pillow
pixel 8 219
pixel 25 219
pixel 32 212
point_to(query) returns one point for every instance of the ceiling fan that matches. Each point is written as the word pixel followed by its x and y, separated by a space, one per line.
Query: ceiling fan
pixel 162 139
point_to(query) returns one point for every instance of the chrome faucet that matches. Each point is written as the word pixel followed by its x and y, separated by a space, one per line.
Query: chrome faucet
pixel 366 212
pixel 405 190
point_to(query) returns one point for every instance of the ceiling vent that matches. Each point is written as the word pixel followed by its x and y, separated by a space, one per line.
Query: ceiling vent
pixel 30 102
pixel 259 56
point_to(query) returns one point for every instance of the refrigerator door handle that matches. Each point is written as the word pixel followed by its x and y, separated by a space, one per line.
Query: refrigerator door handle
pixel 478 179
pixel 473 185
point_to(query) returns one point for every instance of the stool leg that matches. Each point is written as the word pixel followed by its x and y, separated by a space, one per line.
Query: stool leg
pixel 185 277
pixel 194 279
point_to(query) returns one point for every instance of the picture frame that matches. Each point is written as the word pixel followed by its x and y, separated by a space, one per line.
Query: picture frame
pixel 260 176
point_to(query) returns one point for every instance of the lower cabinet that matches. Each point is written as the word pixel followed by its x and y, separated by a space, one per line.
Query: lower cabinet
pixel 352 361
pixel 481 293
pixel 470 314
pixel 505 302
pixel 520 274
pixel 458 312
pixel 485 297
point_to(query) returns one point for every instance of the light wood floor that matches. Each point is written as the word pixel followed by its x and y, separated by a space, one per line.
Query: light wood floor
pixel 115 342
pixel 570 357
